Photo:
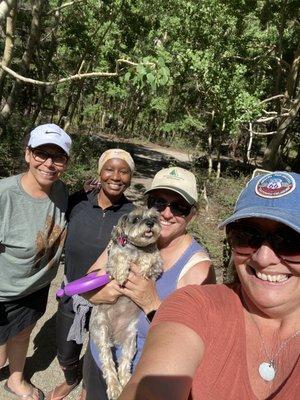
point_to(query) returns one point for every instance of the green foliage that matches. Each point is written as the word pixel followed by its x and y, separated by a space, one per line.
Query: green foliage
pixel 202 66
pixel 86 151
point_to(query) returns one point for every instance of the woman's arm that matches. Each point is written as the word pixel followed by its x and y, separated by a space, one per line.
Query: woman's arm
pixel 170 357
pixel 143 291
pixel 200 273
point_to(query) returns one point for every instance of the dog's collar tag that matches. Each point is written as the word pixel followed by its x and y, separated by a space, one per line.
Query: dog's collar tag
pixel 122 240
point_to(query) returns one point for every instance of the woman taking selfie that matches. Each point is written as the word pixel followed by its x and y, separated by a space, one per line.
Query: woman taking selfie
pixel 241 341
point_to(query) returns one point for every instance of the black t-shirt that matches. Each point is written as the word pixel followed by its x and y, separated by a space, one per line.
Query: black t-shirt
pixel 89 230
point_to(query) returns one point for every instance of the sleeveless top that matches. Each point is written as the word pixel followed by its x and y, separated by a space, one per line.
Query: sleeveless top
pixel 165 284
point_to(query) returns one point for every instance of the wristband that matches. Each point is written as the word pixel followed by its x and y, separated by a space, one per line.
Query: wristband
pixel 150 315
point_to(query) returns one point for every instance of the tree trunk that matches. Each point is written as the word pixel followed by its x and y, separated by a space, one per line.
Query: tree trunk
pixel 32 43
pixel 5 7
pixel 210 141
pixel 42 91
pixel 9 45
pixel 292 103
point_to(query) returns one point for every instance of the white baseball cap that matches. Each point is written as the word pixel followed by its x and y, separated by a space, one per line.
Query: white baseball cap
pixel 50 134
pixel 178 180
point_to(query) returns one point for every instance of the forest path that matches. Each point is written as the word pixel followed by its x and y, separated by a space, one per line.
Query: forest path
pixel 41 364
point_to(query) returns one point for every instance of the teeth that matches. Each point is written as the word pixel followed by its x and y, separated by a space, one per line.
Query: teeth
pixel 165 223
pixel 271 278
pixel 148 234
pixel 48 173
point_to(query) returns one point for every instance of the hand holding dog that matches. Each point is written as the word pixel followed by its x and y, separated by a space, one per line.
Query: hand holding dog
pixel 141 290
pixel 108 294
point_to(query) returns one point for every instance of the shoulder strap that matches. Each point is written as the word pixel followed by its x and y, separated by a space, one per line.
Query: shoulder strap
pixel 195 259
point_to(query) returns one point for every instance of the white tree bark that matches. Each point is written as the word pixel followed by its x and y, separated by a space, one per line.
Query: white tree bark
pixel 5 7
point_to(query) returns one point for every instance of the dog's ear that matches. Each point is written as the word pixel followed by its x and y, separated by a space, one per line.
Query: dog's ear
pixel 118 230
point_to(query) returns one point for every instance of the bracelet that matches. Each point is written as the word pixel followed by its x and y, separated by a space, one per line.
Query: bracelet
pixel 150 315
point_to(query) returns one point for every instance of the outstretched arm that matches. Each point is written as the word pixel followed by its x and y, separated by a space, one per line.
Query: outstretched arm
pixel 169 360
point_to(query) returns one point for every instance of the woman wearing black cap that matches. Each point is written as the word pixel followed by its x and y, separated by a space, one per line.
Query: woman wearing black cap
pixel 241 341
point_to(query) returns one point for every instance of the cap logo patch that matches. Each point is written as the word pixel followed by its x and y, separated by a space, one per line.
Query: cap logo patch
pixel 173 175
pixel 275 185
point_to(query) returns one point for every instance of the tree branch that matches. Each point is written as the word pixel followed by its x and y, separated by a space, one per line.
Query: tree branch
pixel 268 119
pixel 70 3
pixel 73 77
pixel 278 96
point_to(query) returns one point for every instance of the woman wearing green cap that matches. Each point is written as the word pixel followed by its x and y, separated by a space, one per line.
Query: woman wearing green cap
pixel 32 234
pixel 173 194
pixel 92 213
pixel 240 341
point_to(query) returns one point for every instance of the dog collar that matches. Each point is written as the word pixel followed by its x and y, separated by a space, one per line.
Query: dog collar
pixel 122 241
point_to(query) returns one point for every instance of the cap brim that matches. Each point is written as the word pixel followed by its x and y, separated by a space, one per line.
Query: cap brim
pixel 37 144
pixel 182 193
pixel 274 214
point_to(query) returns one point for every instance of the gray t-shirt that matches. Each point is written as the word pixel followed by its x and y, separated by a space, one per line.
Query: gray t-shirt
pixel 32 234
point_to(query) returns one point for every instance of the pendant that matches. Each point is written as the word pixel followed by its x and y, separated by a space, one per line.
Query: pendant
pixel 267 371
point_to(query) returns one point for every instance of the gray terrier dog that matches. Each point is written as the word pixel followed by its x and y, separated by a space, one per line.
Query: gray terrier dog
pixel 133 240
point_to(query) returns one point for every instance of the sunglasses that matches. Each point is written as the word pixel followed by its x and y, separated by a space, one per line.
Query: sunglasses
pixel 245 240
pixel 41 156
pixel 177 208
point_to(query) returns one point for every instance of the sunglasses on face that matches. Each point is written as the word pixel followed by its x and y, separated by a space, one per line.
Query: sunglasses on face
pixel 58 159
pixel 245 240
pixel 177 208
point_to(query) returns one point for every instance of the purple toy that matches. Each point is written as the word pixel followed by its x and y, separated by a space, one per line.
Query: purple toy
pixel 84 284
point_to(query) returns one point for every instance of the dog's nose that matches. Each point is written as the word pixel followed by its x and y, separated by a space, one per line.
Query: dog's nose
pixel 150 223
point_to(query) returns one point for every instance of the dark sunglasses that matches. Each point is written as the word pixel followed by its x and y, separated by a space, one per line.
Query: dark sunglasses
pixel 246 239
pixel 58 159
pixel 176 207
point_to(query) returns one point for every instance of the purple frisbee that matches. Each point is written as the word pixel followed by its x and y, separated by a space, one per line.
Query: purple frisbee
pixel 84 284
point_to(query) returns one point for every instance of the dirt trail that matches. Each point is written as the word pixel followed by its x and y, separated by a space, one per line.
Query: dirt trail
pixel 41 364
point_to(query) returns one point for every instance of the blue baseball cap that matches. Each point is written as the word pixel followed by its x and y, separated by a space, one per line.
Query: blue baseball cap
pixel 274 196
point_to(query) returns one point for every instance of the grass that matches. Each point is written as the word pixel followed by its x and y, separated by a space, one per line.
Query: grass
pixel 221 197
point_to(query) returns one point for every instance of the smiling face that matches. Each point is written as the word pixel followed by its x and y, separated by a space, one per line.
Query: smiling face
pixel 115 177
pixel 269 283
pixel 173 225
pixel 44 174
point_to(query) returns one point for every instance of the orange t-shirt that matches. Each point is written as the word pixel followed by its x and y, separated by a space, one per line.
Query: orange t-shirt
pixel 215 313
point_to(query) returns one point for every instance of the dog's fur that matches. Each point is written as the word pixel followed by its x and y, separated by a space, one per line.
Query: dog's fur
pixel 133 240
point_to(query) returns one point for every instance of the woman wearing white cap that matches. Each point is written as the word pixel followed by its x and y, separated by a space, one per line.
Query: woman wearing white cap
pixel 240 341
pixel 92 213
pixel 32 234
pixel 174 194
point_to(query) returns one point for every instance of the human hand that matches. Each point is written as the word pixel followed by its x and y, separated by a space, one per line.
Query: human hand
pixel 141 290
pixel 107 294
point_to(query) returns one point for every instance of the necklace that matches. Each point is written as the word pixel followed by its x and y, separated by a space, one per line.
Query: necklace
pixel 267 369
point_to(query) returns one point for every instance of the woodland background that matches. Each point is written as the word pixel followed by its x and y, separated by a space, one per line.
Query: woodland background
pixel 219 77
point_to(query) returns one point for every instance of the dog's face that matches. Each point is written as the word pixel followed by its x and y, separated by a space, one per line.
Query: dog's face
pixel 141 227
